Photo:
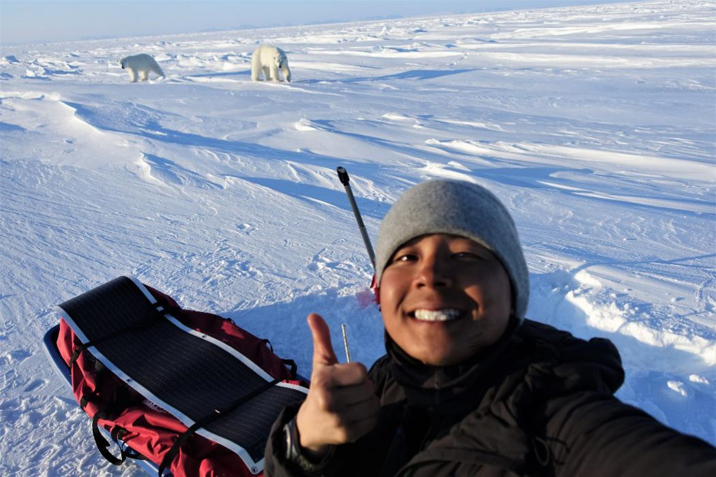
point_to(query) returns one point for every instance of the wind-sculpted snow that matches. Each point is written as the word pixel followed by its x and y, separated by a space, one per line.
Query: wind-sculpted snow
pixel 593 124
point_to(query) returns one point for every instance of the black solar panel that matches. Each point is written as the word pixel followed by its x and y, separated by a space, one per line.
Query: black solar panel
pixel 180 370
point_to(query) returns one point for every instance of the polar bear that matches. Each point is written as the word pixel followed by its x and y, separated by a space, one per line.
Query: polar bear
pixel 270 60
pixel 139 67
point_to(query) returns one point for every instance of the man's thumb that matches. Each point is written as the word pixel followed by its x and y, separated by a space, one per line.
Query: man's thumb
pixel 323 353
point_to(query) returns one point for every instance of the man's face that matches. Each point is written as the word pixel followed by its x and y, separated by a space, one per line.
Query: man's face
pixel 443 297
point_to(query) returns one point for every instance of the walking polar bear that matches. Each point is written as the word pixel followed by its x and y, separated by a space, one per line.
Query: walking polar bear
pixel 139 67
pixel 269 60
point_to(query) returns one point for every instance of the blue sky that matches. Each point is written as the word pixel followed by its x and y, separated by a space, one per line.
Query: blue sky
pixel 30 21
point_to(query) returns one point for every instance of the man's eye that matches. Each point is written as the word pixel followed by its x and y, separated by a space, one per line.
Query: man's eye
pixel 406 257
pixel 466 256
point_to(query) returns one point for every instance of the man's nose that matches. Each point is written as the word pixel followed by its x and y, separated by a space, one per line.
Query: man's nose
pixel 433 273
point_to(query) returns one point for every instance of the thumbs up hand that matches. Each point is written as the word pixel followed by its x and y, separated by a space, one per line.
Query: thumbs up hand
pixel 341 405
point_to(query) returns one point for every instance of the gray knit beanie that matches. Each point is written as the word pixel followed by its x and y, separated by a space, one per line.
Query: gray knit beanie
pixel 457 208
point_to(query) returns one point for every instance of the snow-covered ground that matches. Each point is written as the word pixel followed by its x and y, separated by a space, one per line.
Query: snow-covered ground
pixel 595 125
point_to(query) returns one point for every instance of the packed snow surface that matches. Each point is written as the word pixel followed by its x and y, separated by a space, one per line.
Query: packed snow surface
pixel 595 126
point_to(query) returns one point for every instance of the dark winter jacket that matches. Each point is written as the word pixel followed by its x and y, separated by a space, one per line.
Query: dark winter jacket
pixel 539 402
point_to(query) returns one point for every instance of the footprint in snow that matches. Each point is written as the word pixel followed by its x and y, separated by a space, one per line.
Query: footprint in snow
pixel 248 229
pixel 35 385
pixel 17 356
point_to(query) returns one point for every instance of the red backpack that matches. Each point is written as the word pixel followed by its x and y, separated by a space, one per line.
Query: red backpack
pixel 143 429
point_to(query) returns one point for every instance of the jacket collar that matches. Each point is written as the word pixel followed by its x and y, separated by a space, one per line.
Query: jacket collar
pixel 447 388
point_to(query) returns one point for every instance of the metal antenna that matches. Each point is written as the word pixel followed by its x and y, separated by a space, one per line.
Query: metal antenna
pixel 345 180
pixel 345 342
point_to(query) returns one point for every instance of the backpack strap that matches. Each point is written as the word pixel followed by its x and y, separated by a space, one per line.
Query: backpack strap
pixel 103 444
pixel 118 433
pixel 120 400
pixel 292 367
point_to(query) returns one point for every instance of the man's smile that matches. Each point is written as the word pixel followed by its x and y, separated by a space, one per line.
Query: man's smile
pixel 445 314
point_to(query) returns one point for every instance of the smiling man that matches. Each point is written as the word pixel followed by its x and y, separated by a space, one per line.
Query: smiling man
pixel 468 386
pixel 444 297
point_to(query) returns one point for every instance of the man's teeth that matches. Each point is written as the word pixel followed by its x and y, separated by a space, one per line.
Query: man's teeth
pixel 437 315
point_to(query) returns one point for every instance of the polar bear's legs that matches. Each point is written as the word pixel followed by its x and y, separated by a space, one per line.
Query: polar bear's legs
pixel 286 73
pixel 274 74
pixel 255 67
pixel 144 75
pixel 132 75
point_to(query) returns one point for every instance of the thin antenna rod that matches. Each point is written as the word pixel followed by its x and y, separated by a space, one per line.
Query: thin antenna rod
pixel 345 180
pixel 345 342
